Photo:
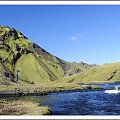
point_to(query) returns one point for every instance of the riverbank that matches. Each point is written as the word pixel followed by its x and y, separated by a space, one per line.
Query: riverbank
pixel 21 107
pixel 85 102
pixel 44 89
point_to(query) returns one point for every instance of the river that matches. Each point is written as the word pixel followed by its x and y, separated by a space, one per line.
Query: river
pixel 84 102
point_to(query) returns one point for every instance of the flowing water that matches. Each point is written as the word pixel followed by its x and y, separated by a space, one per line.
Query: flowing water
pixel 85 102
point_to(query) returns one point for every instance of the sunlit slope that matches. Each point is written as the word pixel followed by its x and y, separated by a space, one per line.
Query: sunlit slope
pixel 103 73
pixel 35 65
pixel 34 71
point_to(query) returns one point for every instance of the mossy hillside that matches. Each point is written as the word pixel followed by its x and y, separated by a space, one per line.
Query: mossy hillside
pixel 8 48
pixel 67 67
pixel 52 68
pixel 4 54
pixel 74 68
pixel 31 70
pixel 35 64
pixel 20 43
pixel 103 73
pixel 18 53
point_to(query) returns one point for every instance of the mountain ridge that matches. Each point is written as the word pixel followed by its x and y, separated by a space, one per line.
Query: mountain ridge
pixel 36 65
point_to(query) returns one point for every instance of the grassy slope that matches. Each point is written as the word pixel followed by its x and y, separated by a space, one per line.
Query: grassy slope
pixel 103 73
pixel 73 68
pixel 31 70
pixel 36 65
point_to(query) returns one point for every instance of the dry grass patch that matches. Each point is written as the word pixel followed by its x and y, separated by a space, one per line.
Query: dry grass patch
pixel 20 107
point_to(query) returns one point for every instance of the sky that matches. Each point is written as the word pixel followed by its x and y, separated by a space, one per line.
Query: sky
pixel 89 33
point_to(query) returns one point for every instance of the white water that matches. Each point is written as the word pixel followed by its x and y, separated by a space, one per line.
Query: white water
pixel 112 91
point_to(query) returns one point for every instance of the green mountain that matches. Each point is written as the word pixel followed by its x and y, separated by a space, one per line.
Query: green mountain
pixel 102 73
pixel 24 61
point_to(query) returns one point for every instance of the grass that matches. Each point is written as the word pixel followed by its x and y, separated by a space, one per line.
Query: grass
pixel 4 54
pixel 38 70
pixel 103 73
pixel 40 67
pixel 21 107
pixel 36 65
pixel 31 70
pixel 43 89
pixel 42 73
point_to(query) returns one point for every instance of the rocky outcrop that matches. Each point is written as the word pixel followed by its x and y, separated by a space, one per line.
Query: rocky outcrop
pixel 7 33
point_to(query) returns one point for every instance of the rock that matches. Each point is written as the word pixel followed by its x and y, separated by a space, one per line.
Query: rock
pixel 8 75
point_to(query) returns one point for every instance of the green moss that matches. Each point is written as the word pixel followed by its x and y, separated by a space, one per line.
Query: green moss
pixel 55 68
pixel 4 54
pixel 31 70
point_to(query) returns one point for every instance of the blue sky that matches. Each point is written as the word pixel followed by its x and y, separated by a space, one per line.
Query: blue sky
pixel 74 33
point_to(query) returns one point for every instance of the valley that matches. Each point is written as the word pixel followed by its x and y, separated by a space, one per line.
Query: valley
pixel 27 69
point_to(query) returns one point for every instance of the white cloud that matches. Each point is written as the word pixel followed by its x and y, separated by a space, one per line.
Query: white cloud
pixel 73 38
pixel 76 37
